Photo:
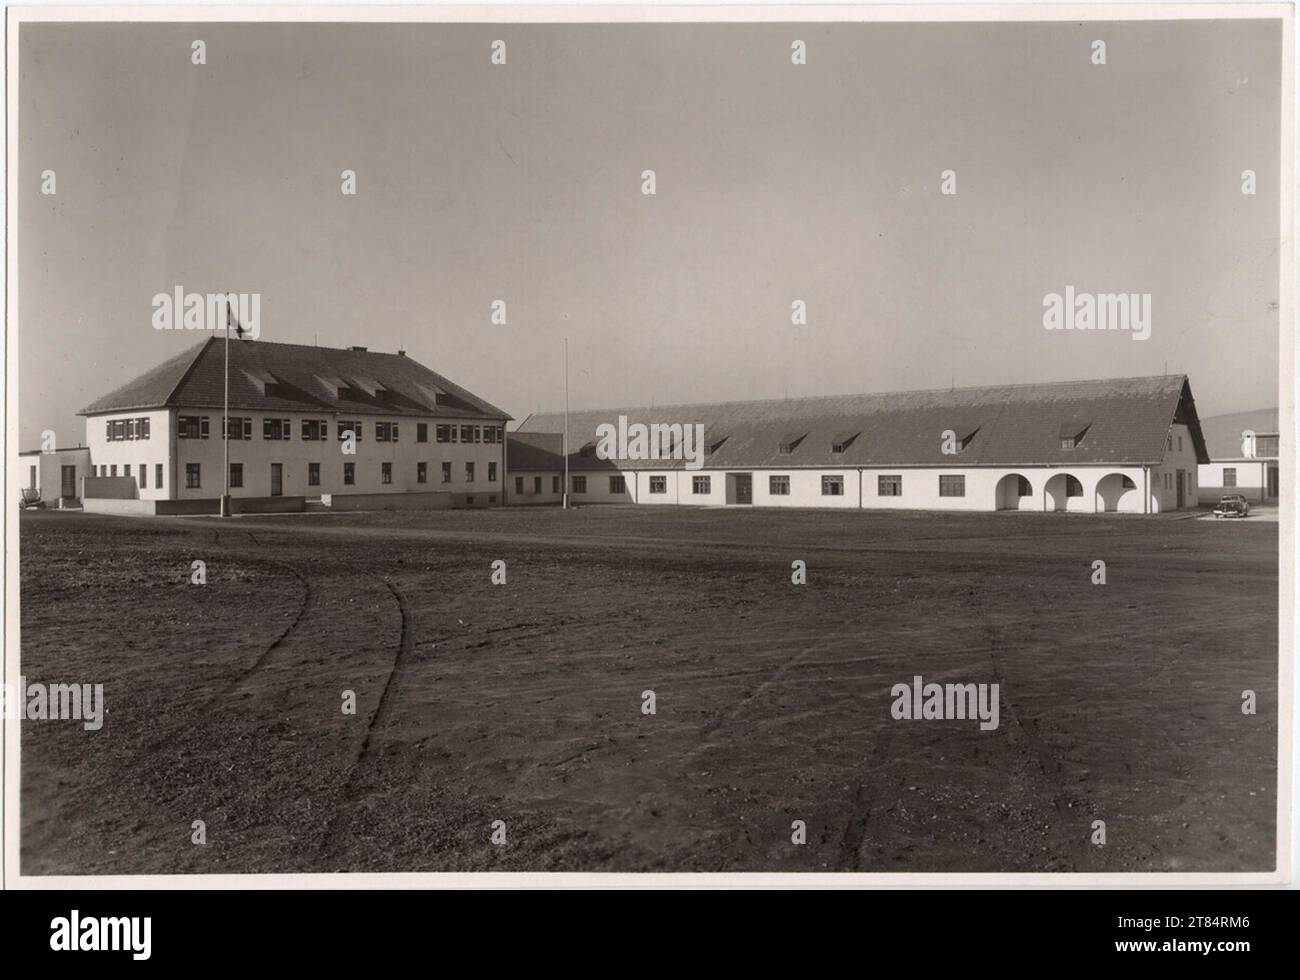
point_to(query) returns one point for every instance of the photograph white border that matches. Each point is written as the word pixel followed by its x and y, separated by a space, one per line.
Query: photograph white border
pixel 608 14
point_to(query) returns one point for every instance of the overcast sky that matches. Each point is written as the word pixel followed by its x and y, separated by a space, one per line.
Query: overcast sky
pixel 775 183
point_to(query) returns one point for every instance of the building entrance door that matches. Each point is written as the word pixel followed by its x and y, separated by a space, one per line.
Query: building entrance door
pixel 69 474
pixel 277 484
pixel 744 488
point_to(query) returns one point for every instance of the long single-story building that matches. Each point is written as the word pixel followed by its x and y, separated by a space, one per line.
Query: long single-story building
pixel 1128 445
pixel 1243 450
pixel 353 428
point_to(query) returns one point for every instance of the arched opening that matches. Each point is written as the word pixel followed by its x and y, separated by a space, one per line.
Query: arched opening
pixel 1014 492
pixel 1063 492
pixel 1118 494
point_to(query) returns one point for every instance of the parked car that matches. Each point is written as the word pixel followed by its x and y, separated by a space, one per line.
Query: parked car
pixel 1232 505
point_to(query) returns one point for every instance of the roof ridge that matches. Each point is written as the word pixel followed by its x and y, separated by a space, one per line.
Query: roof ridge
pixel 865 394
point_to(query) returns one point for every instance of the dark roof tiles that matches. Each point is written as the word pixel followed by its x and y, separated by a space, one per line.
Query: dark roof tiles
pixel 1127 422
pixel 296 378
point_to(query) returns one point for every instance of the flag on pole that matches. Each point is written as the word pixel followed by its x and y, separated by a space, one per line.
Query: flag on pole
pixel 233 321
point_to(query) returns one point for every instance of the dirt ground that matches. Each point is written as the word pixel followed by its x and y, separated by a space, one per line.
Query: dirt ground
pixel 522 702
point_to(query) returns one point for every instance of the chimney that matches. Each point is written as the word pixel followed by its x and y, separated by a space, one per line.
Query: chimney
pixel 358 348
pixel 401 353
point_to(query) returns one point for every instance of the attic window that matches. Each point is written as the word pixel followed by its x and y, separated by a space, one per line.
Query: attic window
pixel 265 381
pixel 842 442
pixel 964 436
pixel 791 442
pixel 1072 433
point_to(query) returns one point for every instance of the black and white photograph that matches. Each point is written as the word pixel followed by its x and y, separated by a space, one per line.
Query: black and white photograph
pixel 681 444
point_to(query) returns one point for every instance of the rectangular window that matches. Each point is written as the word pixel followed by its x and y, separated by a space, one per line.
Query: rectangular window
pixel 421 472
pixel 144 476
pixel 579 484
pixel 192 427
pixel 555 484
pixel 385 431
pixel 315 430
pixel 658 484
pixel 489 434
pixel 1266 446
pixel 889 486
pixel 157 476
pixel 701 484
pixel 236 475
pixel 192 481
pixel 443 433
pixel 467 433
pixel 469 472
pixel 350 426
pixel 111 472
pixel 519 485
pixel 313 474
pixel 385 473
pixel 446 472
pixel 617 484
pixel 126 470
pixel 537 484
pixel 349 473
pixel 276 429
pixel 1180 444
pixel 778 486
pixel 492 472
pixel 832 486
pixel 421 431
pixel 952 486
pixel 1230 476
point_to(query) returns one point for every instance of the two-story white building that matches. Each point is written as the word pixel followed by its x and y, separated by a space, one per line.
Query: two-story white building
pixel 1129 445
pixel 351 427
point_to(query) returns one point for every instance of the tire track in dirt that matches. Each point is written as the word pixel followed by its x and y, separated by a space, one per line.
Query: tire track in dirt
pixel 378 719
pixel 307 595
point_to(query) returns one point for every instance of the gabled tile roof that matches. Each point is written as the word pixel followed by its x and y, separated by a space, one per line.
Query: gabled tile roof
pixel 1127 420
pixel 534 451
pixel 271 377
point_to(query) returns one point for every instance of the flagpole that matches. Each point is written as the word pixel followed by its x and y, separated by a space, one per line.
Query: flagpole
pixel 565 447
pixel 225 424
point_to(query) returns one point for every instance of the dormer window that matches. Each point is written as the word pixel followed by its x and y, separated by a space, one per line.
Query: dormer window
pixel 1072 433
pixel 963 436
pixel 843 441
pixel 264 381
pixel 587 449
pixel 714 445
pixel 791 442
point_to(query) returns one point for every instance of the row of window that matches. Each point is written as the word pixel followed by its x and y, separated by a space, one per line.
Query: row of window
pixel 141 473
pixel 312 430
pixel 194 474
pixel 126 430
pixel 832 486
